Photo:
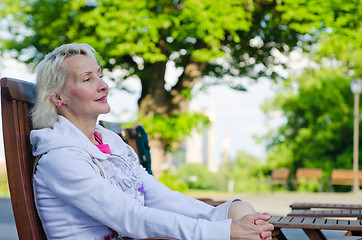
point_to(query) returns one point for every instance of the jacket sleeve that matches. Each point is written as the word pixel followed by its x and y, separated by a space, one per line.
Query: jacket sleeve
pixel 158 196
pixel 71 176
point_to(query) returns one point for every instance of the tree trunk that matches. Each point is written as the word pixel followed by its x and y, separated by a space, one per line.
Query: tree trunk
pixel 158 156
pixel 155 100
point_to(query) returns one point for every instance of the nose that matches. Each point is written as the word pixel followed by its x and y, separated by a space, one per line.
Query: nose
pixel 102 85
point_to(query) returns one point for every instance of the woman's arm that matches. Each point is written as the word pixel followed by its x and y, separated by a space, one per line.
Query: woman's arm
pixel 72 177
pixel 159 196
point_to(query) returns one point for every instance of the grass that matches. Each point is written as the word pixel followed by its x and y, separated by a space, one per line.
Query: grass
pixel 4 187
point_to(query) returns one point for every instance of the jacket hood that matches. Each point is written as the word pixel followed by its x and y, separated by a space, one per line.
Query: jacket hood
pixel 63 135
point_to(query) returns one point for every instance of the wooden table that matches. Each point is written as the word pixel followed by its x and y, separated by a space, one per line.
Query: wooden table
pixel 312 226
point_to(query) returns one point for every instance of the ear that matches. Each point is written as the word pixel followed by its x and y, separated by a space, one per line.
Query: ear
pixel 57 99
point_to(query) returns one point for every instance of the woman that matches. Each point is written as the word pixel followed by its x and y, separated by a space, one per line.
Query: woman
pixel 88 183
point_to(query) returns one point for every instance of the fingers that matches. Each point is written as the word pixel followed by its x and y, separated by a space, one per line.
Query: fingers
pixel 265 228
pixel 266 216
pixel 260 222
pixel 261 218
pixel 266 231
pixel 252 226
pixel 265 235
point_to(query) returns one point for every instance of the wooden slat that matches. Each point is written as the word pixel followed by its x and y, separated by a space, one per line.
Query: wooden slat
pixel 315 223
pixel 315 235
pixel 308 220
pixel 18 90
pixel 315 173
pixel 129 135
pixel 277 234
pixel 325 205
pixel 349 213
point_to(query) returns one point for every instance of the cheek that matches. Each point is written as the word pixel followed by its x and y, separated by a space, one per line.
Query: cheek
pixel 81 95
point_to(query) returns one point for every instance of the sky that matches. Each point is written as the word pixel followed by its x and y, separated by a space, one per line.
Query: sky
pixel 237 114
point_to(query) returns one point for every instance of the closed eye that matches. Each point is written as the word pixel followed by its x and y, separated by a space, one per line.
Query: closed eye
pixel 100 73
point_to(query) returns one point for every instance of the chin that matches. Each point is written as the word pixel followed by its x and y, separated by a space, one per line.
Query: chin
pixel 107 110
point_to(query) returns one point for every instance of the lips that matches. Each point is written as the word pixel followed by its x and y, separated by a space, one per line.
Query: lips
pixel 102 99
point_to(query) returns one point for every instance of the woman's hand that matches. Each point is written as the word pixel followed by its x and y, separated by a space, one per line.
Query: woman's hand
pixel 252 226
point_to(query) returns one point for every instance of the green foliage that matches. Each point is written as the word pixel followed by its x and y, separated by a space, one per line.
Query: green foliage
pixel 344 41
pixel 318 107
pixel 157 31
pixel 197 176
pixel 175 128
pixel 306 16
pixel 247 173
pixel 308 186
pixel 336 24
pixel 118 28
pixel 173 182
pixel 280 156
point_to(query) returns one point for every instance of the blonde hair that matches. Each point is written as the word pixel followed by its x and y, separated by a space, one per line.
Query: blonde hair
pixel 50 80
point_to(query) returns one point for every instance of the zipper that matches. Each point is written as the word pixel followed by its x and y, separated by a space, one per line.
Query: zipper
pixel 99 167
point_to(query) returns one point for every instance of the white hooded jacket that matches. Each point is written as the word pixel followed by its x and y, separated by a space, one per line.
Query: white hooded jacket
pixel 74 201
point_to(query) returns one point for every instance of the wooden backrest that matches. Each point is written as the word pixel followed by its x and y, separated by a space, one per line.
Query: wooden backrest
pixel 280 173
pixel 315 173
pixel 280 176
pixel 17 97
pixel 344 177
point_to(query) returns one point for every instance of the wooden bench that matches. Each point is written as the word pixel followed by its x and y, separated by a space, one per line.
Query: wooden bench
pixel 280 176
pixel 344 177
pixel 17 98
pixel 309 176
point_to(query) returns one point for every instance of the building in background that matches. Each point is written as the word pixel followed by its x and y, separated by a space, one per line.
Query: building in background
pixel 200 146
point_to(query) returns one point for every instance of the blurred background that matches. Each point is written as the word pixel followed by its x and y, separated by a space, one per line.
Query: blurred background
pixel 227 91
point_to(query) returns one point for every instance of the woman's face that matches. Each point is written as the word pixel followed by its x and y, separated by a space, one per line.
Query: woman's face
pixel 85 92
